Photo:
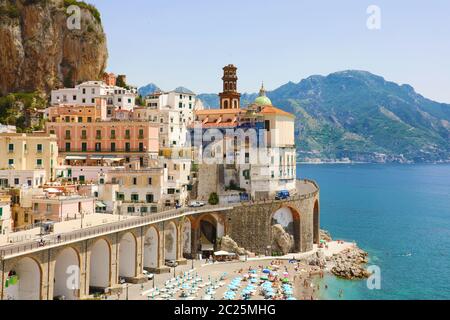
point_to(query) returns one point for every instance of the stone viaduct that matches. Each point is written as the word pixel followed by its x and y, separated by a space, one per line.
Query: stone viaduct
pixel 82 262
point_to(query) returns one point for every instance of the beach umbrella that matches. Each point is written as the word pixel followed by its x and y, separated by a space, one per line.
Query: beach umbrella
pixel 267 271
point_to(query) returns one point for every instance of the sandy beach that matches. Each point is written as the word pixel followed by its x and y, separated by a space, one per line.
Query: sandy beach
pixel 216 278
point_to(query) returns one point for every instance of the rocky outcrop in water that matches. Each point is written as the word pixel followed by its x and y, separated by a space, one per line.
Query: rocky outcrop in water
pixel 282 241
pixel 38 51
pixel 350 264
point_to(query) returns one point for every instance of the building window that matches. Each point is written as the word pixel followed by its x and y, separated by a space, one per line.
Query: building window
pixel 16 181
pixel 134 181
pixel 84 147
pixel 127 147
pixel 120 196
pixel 141 133
pixel 113 147
pixel 149 181
pixel 67 134
pixel 149 198
pixel 127 134
pixel 89 119
pixel 98 134
pixel 113 134
pixel 83 135
pixel 39 162
pixel 67 146
pixel 98 147
pixel 141 147
pixel 11 162
pixel 135 197
pixel 11 147
pixel 130 209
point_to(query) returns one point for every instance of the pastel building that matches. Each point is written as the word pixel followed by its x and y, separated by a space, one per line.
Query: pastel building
pixel 51 204
pixel 139 190
pixel 35 151
pixel 90 142
pixel 22 178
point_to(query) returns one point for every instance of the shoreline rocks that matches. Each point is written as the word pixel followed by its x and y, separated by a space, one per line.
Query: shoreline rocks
pixel 350 264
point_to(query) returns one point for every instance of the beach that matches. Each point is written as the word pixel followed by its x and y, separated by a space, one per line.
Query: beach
pixel 231 280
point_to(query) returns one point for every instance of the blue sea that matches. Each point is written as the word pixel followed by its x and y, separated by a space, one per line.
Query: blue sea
pixel 400 214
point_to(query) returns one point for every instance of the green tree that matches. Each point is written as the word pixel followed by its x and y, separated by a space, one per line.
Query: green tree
pixel 213 199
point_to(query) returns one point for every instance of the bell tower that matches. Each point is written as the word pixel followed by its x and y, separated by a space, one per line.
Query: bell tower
pixel 230 98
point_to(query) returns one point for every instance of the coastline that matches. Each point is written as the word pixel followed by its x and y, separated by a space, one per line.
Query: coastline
pixel 342 270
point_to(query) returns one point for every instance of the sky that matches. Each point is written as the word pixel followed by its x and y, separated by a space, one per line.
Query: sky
pixel 186 43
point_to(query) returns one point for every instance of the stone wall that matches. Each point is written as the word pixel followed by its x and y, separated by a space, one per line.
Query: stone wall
pixel 250 224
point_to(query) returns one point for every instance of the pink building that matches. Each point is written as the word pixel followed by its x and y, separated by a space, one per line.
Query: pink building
pixel 56 207
pixel 87 141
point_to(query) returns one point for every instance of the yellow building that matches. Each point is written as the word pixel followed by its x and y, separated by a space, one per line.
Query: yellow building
pixel 21 151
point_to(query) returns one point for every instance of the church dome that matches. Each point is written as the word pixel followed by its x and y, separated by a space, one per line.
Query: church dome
pixel 263 100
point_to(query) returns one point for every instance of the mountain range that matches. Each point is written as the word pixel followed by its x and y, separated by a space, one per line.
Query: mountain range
pixel 358 116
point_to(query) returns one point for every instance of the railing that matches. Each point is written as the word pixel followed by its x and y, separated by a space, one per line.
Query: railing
pixel 105 229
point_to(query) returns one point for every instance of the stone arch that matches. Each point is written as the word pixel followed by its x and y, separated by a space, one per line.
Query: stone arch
pixel 290 219
pixel 100 266
pixel 151 248
pixel 67 273
pixel 170 241
pixel 127 256
pixel 24 280
pixel 207 232
pixel 316 222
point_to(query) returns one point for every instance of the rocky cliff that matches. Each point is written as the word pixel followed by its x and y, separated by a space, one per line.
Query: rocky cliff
pixel 38 50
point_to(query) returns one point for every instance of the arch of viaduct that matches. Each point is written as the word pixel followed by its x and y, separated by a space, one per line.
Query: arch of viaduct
pixel 79 269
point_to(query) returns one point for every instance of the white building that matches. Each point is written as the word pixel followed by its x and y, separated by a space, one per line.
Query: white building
pixel 22 178
pixel 5 217
pixel 174 111
pixel 86 93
